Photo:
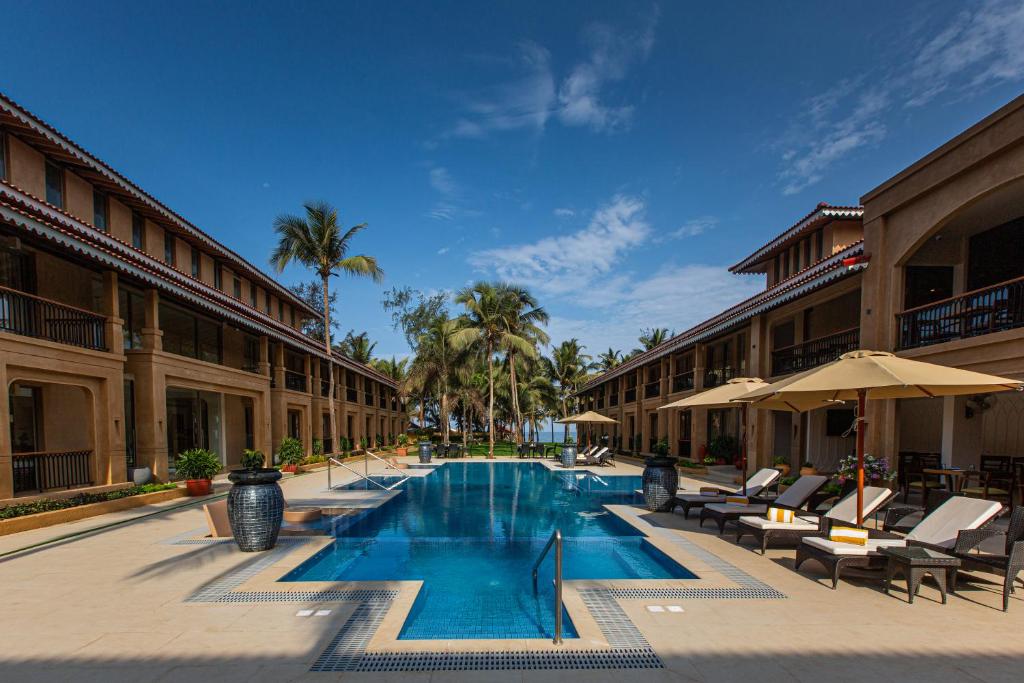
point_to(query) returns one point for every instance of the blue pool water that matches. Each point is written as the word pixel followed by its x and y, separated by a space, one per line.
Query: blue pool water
pixel 472 531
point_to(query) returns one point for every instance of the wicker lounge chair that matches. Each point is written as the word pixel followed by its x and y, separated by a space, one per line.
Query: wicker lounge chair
pixel 591 457
pixel 601 458
pixel 793 498
pixel 948 529
pixel 756 485
pixel 1008 564
pixel 776 534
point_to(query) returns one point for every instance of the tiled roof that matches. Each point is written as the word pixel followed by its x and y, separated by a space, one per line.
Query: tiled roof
pixel 811 278
pixel 822 213
pixel 53 136
pixel 26 212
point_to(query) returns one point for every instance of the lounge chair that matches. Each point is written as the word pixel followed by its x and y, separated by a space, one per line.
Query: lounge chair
pixel 601 458
pixel 591 457
pixel 1008 564
pixel 775 534
pixel 757 483
pixel 947 530
pixel 793 498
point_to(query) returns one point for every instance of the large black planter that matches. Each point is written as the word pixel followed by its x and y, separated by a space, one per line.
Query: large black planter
pixel 255 508
pixel 660 484
pixel 568 456
pixel 426 450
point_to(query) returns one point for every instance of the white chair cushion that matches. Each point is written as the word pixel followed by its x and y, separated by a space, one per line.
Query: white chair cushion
pixel 700 498
pixel 798 524
pixel 941 527
pixel 760 479
pixel 846 509
pixel 731 508
pixel 836 548
pixel 797 494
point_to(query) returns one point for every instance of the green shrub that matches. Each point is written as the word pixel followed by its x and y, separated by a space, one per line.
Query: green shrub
pixel 252 459
pixel 318 447
pixel 290 452
pixel 780 460
pixel 363 442
pixel 48 505
pixel 723 447
pixel 690 464
pixel 197 463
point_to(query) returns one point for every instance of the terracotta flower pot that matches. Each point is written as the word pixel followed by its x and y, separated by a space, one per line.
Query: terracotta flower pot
pixel 290 468
pixel 808 471
pixel 784 469
pixel 402 451
pixel 199 487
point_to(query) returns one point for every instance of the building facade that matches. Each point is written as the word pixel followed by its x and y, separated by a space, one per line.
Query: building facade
pixel 127 334
pixel 931 267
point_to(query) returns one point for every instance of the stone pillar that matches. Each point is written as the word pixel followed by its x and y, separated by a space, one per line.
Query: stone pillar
pixel 151 332
pixel 278 369
pixel 114 325
pixel 151 417
pixel 6 464
pixel 263 364
pixel 307 365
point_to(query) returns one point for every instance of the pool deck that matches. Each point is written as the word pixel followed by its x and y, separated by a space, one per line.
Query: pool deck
pixel 151 599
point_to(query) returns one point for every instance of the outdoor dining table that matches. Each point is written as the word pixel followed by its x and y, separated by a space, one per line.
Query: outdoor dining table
pixel 954 476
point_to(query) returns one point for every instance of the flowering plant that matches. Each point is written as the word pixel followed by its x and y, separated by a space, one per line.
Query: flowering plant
pixel 876 470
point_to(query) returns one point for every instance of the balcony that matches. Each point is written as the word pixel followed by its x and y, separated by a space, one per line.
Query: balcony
pixel 814 352
pixel 33 316
pixel 715 376
pixel 39 472
pixel 368 398
pixel 982 311
pixel 600 402
pixel 631 395
pixel 325 388
pixel 382 402
pixel 613 400
pixel 683 381
pixel 652 389
pixel 296 381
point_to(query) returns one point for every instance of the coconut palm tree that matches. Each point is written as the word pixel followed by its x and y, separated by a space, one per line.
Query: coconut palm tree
pixel 485 325
pixel 358 347
pixel 609 359
pixel 434 366
pixel 317 241
pixel 655 336
pixel 568 367
pixel 522 337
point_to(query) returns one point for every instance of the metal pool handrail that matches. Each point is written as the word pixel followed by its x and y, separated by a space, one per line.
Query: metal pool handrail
pixel 556 540
pixel 331 461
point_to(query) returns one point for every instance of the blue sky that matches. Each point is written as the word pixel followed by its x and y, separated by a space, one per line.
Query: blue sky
pixel 615 158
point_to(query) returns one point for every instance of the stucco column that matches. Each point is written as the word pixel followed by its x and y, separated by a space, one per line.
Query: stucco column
pixel 277 372
pixel 6 466
pixel 758 455
pixel 307 364
pixel 151 332
pixel 263 364
pixel 151 417
pixel 114 325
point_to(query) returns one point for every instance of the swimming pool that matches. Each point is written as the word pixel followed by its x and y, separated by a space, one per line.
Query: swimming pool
pixel 472 531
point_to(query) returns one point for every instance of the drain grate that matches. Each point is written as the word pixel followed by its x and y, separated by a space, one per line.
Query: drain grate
pixel 616 626
pixel 310 596
pixel 348 647
pixel 639 658
pixel 764 593
pixel 222 586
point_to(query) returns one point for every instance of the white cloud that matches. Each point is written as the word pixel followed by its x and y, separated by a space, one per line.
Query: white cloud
pixel 564 263
pixel 978 48
pixel 693 227
pixel 443 250
pixel 450 203
pixel 442 181
pixel 564 212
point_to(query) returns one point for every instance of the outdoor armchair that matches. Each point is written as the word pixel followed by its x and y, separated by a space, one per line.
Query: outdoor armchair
pixel 1008 564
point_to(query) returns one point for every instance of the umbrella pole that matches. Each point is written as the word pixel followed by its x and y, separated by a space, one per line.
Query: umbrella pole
pixel 743 445
pixel 861 424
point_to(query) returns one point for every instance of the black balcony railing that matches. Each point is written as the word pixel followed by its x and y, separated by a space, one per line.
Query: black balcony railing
pixel 382 402
pixel 51 470
pixel 683 381
pixel 631 395
pixel 613 400
pixel 33 316
pixel 982 311
pixel 296 381
pixel 325 388
pixel 368 398
pixel 814 352
pixel 652 389
pixel 715 376
pixel 351 395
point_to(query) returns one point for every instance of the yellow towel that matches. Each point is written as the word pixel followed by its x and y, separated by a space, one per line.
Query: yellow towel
pixel 737 500
pixel 846 534
pixel 780 515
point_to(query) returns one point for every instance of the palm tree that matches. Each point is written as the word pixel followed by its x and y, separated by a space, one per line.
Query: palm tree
pixel 655 336
pixel 522 337
pixel 432 369
pixel 485 326
pixel 317 242
pixel 609 359
pixel 358 347
pixel 568 366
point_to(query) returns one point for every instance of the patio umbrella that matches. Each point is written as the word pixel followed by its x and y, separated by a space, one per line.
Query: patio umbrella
pixel 725 396
pixel 860 375
pixel 589 417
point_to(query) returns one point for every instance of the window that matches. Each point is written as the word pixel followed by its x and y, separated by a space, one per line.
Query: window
pixel 55 185
pixel 168 249
pixel 3 155
pixel 236 288
pixel 138 227
pixel 292 312
pixel 266 301
pixel 252 295
pixel 280 310
pixel 132 311
pixel 250 353
pixel 190 335
pixel 218 276
pixel 197 264
pixel 99 210
pixel 819 239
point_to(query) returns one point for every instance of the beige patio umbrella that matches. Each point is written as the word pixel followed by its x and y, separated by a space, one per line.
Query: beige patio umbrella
pixel 725 396
pixel 860 375
pixel 589 417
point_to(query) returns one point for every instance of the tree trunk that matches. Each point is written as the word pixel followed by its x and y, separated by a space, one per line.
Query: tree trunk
pixel 490 402
pixel 330 365
pixel 444 415
pixel 565 426
pixel 517 418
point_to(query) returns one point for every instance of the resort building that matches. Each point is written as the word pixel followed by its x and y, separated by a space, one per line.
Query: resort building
pixel 127 334
pixel 930 267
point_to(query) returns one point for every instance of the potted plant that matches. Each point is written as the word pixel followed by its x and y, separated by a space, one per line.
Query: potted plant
pixel 290 454
pixel 318 447
pixel 723 448
pixel 197 466
pixel 785 483
pixel 781 463
pixel 876 470
pixel 807 469
pixel 403 440
pixel 255 504
pixel 660 479
pixel 363 443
